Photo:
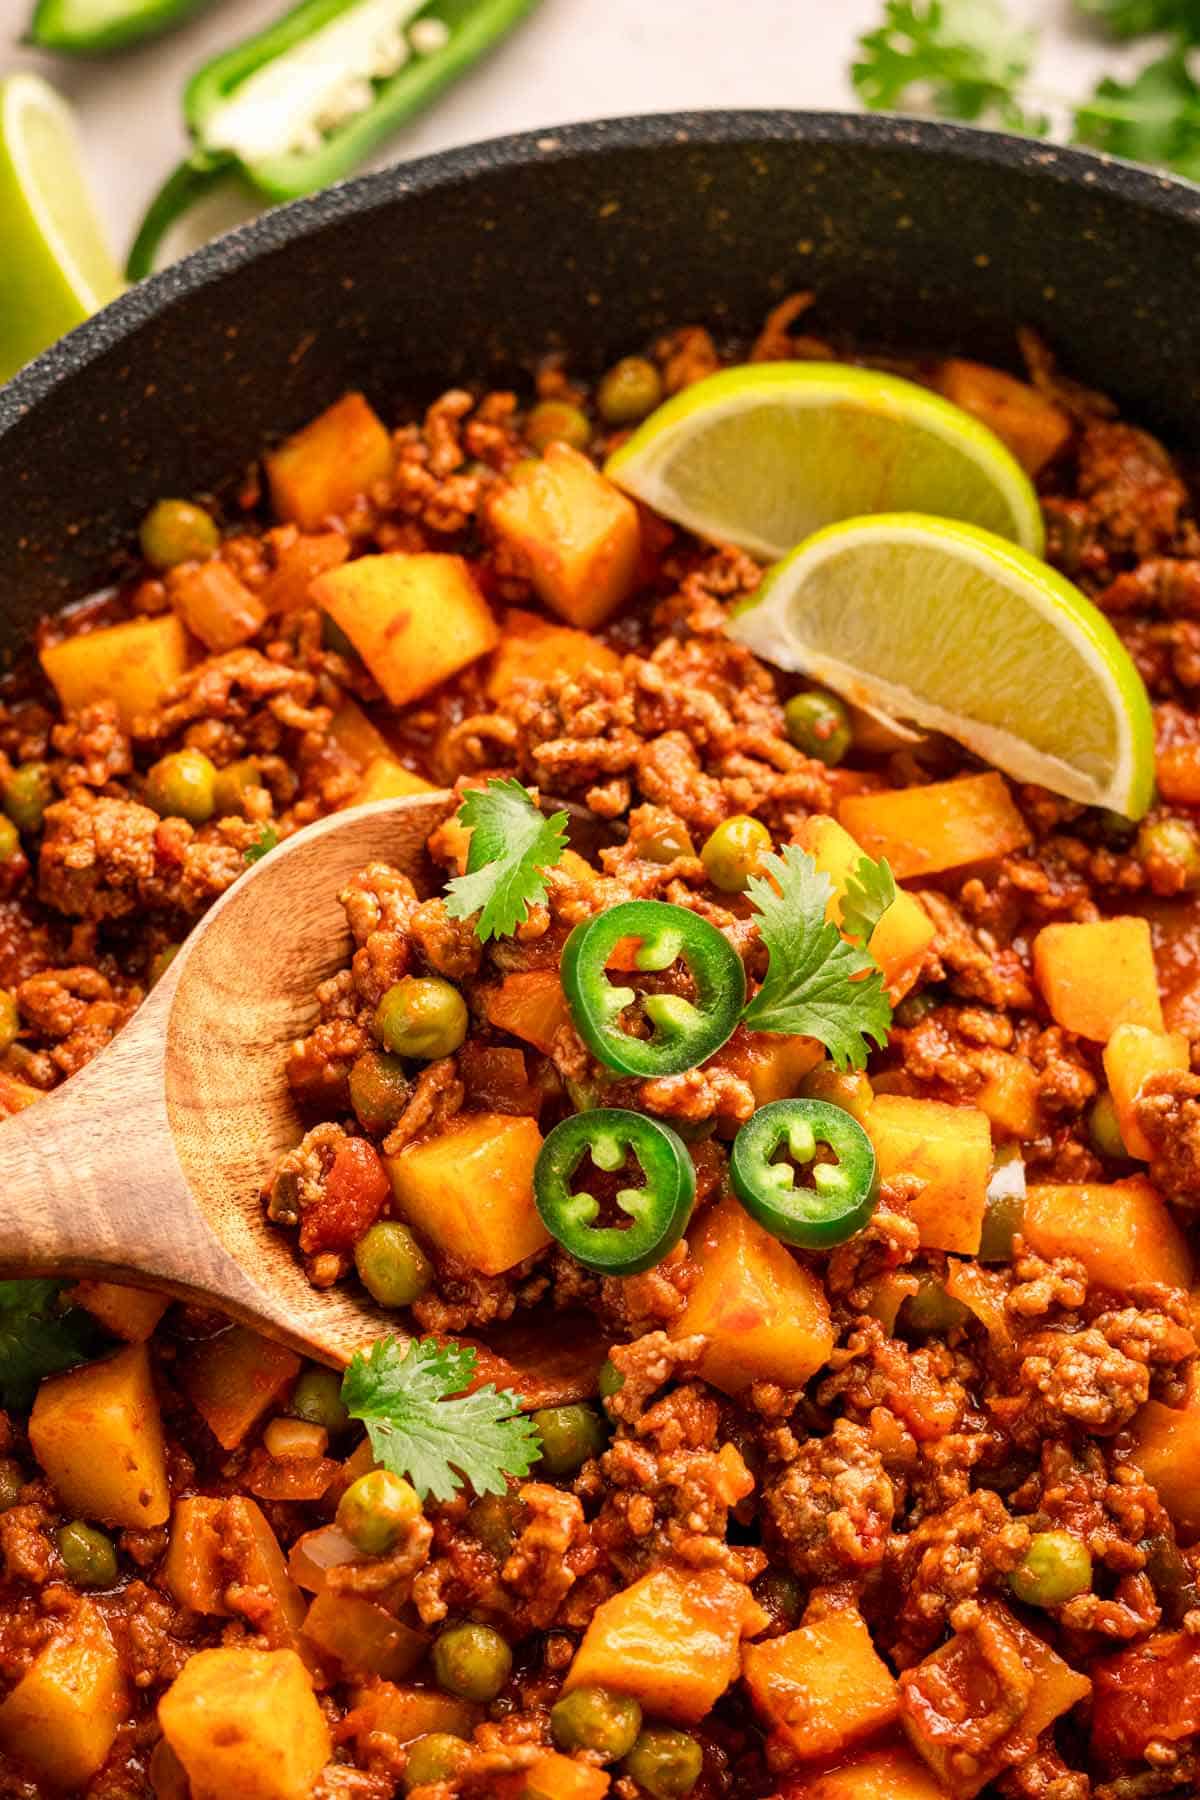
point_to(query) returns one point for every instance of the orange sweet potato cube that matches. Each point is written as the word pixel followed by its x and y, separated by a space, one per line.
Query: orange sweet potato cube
pixel 824 1686
pixel 1122 1233
pixel 470 1189
pixel 1166 1448
pixel 1098 975
pixel 578 534
pixel 386 778
pixel 1132 1054
pixel 63 1714
pixel 1034 427
pixel 135 665
pixel 903 934
pixel 950 1148
pixel 672 1640
pixel 129 1313
pixel 922 830
pixel 891 1774
pixel 764 1314
pixel 246 1722
pixel 232 1379
pixel 531 649
pixel 97 1433
pixel 415 619
pixel 318 474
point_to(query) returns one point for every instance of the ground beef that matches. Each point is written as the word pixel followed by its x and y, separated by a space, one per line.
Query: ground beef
pixel 829 1502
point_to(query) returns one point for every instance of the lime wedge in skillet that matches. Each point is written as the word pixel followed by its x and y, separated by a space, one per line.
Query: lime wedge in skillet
pixel 953 628
pixel 765 454
pixel 55 267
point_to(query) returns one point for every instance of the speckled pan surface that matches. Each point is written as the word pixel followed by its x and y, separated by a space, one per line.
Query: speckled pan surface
pixel 590 237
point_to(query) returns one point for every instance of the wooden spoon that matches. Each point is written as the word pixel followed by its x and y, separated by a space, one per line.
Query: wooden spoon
pixel 147 1166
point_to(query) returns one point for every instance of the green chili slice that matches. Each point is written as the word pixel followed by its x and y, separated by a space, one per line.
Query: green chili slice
pixel 658 1211
pixel 843 1193
pixel 685 1031
pixel 93 27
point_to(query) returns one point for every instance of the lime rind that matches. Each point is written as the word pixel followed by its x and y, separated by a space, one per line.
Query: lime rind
pixel 1054 696
pixel 765 454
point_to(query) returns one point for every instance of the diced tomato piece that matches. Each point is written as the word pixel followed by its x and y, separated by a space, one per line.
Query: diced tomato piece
pixel 355 1190
pixel 1150 1691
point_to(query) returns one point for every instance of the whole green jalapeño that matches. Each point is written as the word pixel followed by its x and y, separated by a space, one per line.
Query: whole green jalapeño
pixel 843 1192
pixel 658 1211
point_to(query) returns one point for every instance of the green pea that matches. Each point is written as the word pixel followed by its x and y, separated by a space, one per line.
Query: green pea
pixel 10 839
pixel 593 1718
pixel 10 1020
pixel 317 1398
pixel 472 1661
pixel 183 786
pixel 27 793
pixel 819 724
pixel 1055 1568
pixel 379 1089
pixel 611 1380
pixel 667 841
pixel 1172 842
pixel 667 1763
pixel 931 1308
pixel 631 389
pixel 557 422
pixel 782 1595
pixel 88 1554
pixel 161 961
pixel 437 1757
pixel 915 1007
pixel 392 1265
pixel 732 853
pixel 376 1510
pixel 12 1480
pixel 421 1016
pixel 569 1434
pixel 233 783
pixel 1104 1128
pixel 1002 1219
pixel 177 531
pixel 495 1519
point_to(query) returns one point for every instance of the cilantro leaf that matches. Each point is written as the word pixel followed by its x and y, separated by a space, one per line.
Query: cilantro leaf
pixel 870 890
pixel 817 985
pixel 961 59
pixel 37 1337
pixel 1137 18
pixel 512 843
pixel 266 841
pixel 400 1392
pixel 1153 119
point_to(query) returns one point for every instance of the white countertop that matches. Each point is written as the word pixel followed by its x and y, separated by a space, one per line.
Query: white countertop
pixel 573 59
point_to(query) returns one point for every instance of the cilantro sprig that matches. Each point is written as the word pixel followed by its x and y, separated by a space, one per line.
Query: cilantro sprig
pixel 818 984
pixel 262 846
pixel 870 890
pixel 424 1427
pixel 39 1337
pixel 512 845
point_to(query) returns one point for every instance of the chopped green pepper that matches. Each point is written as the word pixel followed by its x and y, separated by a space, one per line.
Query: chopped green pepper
pixel 686 1031
pixel 658 1211
pixel 843 1193
pixel 92 27
pixel 300 104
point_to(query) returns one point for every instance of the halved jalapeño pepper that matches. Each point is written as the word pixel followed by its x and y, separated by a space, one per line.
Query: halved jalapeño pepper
pixel 840 1195
pixel 658 1211
pixel 686 1031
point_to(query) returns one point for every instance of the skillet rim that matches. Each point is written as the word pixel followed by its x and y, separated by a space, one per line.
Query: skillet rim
pixel 1147 190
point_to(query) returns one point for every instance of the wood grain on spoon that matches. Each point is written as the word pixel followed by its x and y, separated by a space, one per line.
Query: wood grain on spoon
pixel 147 1166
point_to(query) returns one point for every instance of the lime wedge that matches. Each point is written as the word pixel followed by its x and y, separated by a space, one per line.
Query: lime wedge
pixel 55 267
pixel 765 454
pixel 958 631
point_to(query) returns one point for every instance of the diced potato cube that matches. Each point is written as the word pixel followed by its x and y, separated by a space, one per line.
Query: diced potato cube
pixel 386 778
pixel 61 1718
pixel 232 1379
pixel 950 1149
pixel 318 474
pixel 246 1722
pixel 129 1313
pixel 362 1637
pixel 1098 975
pixel 764 1314
pixel 1132 1054
pixel 771 1063
pixel 414 619
pixel 555 1777
pixel 823 1687
pixel 672 1640
pixel 1008 1094
pixel 1034 427
pixel 356 736
pixel 251 1551
pixel 578 534
pixel 946 825
pixel 97 1433
pixel 1166 1448
pixel 193 1569
pixel 893 1774
pixel 297 566
pixel 904 933
pixel 135 665
pixel 530 1004
pixel 409 1713
pixel 470 1189
pixel 214 605
pixel 1122 1233
pixel 531 649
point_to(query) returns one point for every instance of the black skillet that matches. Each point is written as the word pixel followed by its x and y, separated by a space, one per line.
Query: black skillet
pixel 591 237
